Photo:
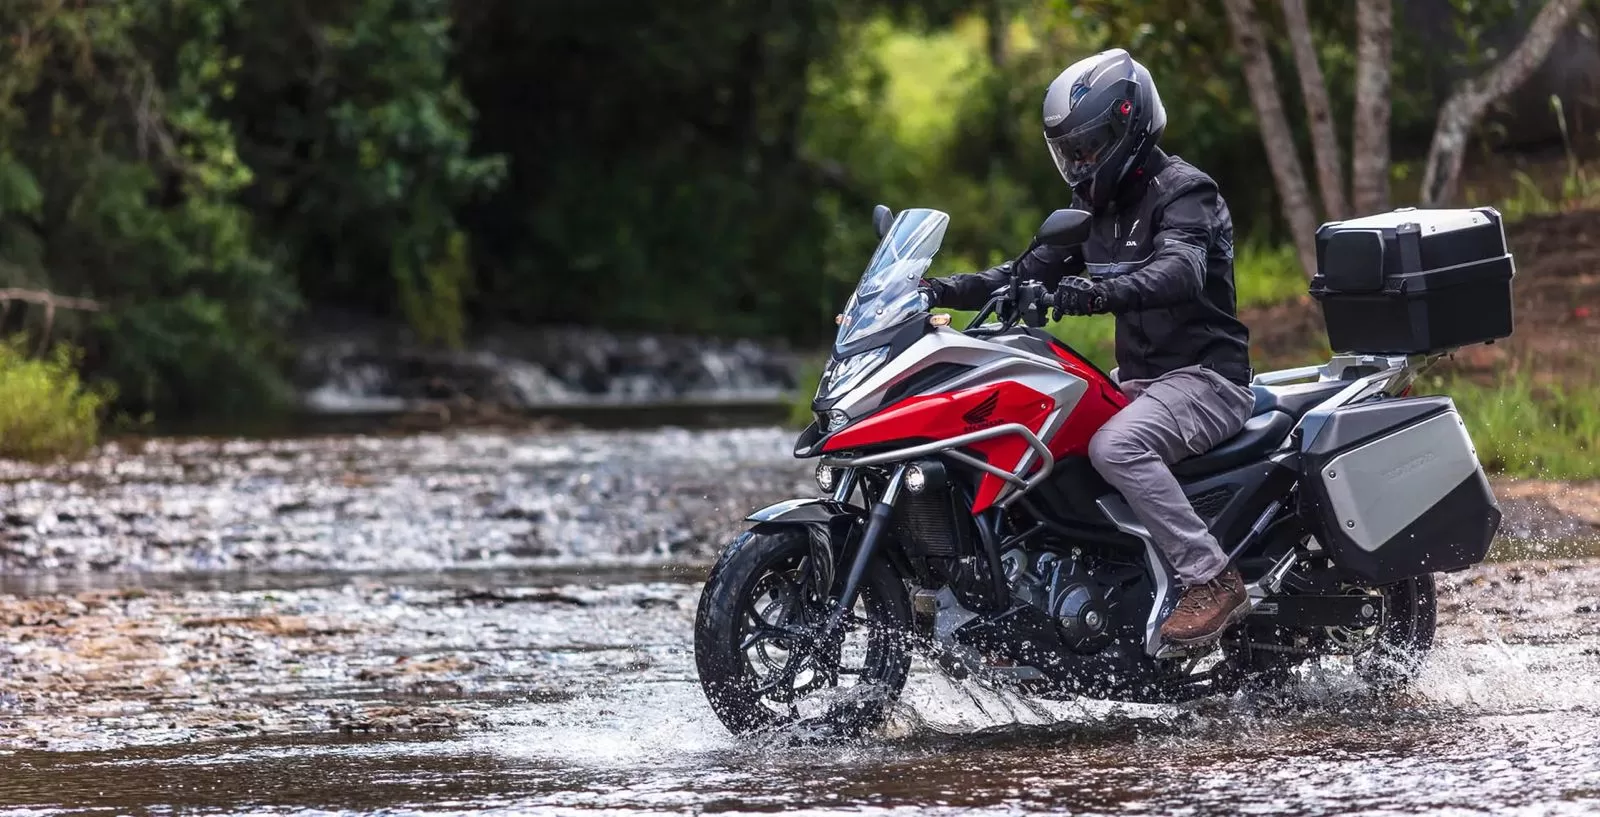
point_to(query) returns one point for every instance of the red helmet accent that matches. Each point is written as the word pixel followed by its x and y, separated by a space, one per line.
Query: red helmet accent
pixel 1125 108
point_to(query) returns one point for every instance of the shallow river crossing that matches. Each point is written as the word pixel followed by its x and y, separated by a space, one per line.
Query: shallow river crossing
pixel 500 622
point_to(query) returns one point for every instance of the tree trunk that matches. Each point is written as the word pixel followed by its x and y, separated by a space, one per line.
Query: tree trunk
pixel 1319 113
pixel 998 21
pixel 1461 112
pixel 1369 144
pixel 998 14
pixel 1275 134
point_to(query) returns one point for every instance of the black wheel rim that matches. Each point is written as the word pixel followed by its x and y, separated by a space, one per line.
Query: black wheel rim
pixel 777 636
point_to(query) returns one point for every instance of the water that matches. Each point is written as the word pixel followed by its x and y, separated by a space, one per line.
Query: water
pixel 471 678
pixel 580 697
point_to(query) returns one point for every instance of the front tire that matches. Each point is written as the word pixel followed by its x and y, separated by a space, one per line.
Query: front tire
pixel 752 639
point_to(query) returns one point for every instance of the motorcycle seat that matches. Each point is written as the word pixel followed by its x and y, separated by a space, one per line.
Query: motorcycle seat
pixel 1261 435
pixel 1294 399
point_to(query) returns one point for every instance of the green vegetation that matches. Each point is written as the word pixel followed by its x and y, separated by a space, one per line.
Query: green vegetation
pixel 1525 430
pixel 1266 274
pixel 208 170
pixel 45 410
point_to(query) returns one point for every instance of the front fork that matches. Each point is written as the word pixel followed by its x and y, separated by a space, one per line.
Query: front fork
pixel 878 521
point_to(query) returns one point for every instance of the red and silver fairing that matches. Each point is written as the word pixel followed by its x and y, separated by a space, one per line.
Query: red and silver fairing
pixel 900 387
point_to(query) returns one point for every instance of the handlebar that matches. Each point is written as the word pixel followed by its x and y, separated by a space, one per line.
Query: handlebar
pixel 1026 302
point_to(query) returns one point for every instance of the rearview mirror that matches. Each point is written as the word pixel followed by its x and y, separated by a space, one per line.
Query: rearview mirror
pixel 1064 228
pixel 882 219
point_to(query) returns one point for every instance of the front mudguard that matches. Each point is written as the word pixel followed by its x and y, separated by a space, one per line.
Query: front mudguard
pixel 833 528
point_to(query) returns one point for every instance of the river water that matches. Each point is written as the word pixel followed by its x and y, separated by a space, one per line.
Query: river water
pixel 500 622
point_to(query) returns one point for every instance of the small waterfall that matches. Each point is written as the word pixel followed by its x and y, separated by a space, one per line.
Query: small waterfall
pixel 380 369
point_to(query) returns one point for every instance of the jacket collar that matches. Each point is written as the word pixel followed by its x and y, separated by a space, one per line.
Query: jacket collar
pixel 1138 180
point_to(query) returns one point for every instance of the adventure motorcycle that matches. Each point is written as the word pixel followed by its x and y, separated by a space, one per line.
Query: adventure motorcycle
pixel 961 516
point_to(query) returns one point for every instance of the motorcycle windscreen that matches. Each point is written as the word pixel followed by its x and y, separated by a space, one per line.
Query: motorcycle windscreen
pixel 890 291
pixel 1394 490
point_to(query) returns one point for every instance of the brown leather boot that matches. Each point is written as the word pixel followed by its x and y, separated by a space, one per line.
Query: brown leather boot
pixel 1205 611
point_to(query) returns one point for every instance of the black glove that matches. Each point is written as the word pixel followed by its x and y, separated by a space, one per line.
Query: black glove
pixel 935 289
pixel 1079 296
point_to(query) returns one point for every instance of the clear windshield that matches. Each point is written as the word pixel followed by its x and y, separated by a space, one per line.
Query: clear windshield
pixel 888 294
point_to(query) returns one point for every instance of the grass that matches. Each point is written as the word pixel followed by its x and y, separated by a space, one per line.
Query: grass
pixel 1525 430
pixel 1576 189
pixel 1266 274
pixel 45 409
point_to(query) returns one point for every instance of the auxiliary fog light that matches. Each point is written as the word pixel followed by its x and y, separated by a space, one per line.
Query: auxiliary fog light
pixel 827 478
pixel 923 474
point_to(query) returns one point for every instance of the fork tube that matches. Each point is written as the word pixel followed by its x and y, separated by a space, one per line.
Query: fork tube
pixel 877 524
pixel 846 486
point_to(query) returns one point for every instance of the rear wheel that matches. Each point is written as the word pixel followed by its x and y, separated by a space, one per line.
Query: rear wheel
pixel 1386 655
pixel 1389 655
pixel 757 648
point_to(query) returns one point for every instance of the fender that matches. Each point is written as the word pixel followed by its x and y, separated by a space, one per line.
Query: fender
pixel 807 512
pixel 826 521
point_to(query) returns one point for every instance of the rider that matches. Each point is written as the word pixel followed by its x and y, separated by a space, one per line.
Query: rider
pixel 1160 258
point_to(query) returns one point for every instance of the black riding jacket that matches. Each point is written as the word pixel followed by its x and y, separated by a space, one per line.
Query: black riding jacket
pixel 1164 251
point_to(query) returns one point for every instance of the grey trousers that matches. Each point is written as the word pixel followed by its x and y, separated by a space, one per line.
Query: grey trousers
pixel 1178 415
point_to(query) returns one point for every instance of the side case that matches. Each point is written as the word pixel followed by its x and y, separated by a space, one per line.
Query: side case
pixel 1393 489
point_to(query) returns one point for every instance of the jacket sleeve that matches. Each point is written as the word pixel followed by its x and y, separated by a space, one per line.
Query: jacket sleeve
pixel 1175 272
pixel 970 291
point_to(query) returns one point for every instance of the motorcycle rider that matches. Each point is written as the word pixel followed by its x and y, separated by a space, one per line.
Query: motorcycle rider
pixel 1160 258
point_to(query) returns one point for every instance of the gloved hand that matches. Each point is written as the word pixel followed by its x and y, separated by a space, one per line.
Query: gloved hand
pixel 1079 296
pixel 934 289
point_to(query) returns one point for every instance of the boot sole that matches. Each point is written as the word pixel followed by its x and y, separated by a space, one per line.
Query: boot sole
pixel 1233 618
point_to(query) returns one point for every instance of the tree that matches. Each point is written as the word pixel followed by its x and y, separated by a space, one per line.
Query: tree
pixel 358 137
pixel 118 183
pixel 1369 144
pixel 1276 135
pixel 1467 105
pixel 1319 113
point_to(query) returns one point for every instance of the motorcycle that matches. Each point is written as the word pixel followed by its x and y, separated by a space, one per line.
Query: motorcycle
pixel 960 518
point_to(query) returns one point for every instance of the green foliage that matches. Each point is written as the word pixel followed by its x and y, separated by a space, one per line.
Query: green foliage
pixel 358 135
pixel 173 160
pixel 1266 274
pixel 800 414
pixel 1525 430
pixel 205 168
pixel 117 184
pixel 45 409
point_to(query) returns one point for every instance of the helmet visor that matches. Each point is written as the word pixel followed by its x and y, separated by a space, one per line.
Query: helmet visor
pixel 1080 153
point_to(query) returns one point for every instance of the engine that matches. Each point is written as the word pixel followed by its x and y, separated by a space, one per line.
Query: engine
pixel 1063 588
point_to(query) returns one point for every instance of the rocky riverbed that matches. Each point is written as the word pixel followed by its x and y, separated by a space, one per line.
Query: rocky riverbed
pixel 463 499
pixel 457 499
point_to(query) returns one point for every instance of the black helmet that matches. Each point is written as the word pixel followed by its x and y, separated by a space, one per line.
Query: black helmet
pixel 1102 117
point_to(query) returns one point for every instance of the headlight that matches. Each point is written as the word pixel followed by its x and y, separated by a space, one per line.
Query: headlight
pixel 844 375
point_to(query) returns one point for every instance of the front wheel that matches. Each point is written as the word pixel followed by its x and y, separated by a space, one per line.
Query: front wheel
pixel 756 647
